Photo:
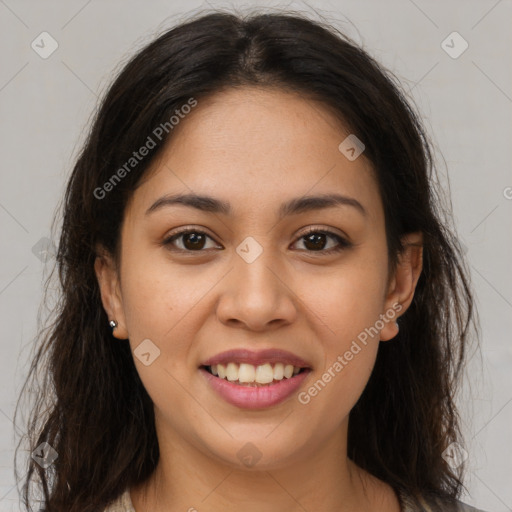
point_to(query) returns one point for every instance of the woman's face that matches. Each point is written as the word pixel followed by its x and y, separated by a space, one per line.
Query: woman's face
pixel 255 281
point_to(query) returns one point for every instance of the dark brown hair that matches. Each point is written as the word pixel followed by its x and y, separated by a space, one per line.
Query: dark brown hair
pixel 90 404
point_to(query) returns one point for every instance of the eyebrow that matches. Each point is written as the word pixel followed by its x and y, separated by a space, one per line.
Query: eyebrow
pixel 291 207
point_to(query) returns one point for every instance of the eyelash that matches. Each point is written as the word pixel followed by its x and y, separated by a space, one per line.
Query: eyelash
pixel 342 242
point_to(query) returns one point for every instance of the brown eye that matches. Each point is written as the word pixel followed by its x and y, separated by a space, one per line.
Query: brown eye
pixel 194 241
pixel 191 240
pixel 315 241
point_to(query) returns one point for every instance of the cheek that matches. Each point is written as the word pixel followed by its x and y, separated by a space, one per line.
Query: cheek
pixel 167 305
pixel 156 296
pixel 328 399
pixel 348 310
pixel 347 301
pixel 159 306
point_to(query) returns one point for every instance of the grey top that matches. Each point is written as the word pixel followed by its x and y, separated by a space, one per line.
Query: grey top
pixel 407 505
pixel 124 504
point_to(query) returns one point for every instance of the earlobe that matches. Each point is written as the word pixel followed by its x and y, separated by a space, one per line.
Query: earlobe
pixel 108 282
pixel 403 283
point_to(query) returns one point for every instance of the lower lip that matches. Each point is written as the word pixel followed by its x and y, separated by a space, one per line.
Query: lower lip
pixel 254 397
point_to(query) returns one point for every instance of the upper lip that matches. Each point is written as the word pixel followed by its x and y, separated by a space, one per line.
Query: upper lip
pixel 271 355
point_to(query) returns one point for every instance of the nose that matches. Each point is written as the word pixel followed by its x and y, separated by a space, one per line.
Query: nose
pixel 257 295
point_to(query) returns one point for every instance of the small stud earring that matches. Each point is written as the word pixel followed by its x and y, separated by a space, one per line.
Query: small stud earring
pixel 113 324
pixel 397 326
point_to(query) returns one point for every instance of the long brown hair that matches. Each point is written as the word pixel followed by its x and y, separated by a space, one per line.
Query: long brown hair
pixel 89 403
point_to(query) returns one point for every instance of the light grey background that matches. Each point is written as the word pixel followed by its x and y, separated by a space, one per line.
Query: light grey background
pixel 466 104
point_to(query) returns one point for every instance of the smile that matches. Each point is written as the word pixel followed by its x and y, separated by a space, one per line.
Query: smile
pixel 255 395
pixel 249 374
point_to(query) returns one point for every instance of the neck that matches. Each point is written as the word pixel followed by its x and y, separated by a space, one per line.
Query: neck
pixel 189 479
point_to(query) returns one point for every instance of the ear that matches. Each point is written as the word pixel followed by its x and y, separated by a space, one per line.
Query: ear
pixel 403 282
pixel 108 280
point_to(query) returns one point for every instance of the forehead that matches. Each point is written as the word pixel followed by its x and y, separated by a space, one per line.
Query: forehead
pixel 256 146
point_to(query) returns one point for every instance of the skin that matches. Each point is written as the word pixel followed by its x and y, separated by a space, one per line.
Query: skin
pixel 193 306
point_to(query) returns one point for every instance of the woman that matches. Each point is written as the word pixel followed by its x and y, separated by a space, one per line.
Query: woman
pixel 262 303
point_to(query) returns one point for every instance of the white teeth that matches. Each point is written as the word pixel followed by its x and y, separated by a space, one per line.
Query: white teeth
pixel 279 371
pixel 232 372
pixel 264 374
pixel 248 373
pixel 222 371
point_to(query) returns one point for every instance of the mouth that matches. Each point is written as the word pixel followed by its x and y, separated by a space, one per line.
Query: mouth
pixel 245 374
pixel 255 380
pixel 261 368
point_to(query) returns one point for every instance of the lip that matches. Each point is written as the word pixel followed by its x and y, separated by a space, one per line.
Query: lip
pixel 257 358
pixel 247 397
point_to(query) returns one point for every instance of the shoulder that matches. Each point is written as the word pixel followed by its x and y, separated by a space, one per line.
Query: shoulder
pixel 122 504
pixel 467 508
pixel 409 505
